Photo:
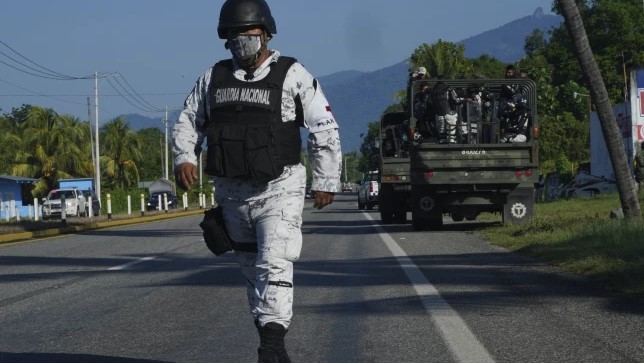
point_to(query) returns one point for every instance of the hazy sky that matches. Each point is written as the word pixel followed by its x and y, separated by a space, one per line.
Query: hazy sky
pixel 160 47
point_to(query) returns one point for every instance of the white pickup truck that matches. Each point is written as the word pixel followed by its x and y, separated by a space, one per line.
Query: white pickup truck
pixel 74 203
pixel 368 191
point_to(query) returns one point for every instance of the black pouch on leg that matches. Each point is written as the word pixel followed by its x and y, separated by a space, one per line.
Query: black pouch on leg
pixel 214 231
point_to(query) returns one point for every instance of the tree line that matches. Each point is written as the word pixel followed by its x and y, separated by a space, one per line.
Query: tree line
pixel 37 142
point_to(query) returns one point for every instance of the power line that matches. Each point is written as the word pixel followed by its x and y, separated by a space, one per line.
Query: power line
pixel 39 94
pixel 135 93
pixel 47 73
pixel 134 96
pixel 137 106
pixel 102 95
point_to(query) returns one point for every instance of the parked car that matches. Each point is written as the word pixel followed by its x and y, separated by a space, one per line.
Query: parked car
pixel 74 203
pixel 368 190
pixel 153 200
pixel 586 185
pixel 96 203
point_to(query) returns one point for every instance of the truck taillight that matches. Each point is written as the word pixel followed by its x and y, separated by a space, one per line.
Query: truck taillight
pixel 396 177
pixel 528 172
pixel 518 173
pixel 371 187
pixel 429 175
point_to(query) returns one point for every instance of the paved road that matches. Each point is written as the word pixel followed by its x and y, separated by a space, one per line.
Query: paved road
pixel 364 293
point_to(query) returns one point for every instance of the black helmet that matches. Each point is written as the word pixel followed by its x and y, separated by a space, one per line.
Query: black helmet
pixel 242 13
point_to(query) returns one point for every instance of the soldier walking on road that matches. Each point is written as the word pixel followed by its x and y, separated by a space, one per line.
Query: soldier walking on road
pixel 250 108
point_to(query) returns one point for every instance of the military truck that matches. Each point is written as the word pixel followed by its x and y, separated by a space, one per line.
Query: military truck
pixel 395 186
pixel 479 166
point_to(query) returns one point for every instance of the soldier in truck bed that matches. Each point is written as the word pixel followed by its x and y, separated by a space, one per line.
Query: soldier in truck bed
pixel 444 103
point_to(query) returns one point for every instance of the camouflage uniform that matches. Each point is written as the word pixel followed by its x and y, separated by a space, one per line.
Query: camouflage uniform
pixel 269 214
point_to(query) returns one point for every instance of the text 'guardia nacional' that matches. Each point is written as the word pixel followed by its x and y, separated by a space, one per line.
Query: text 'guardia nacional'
pixel 251 95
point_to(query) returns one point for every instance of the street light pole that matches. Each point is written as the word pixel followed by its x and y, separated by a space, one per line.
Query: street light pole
pixel 97 167
pixel 165 121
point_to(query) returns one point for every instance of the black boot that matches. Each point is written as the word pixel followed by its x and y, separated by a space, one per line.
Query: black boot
pixel 271 348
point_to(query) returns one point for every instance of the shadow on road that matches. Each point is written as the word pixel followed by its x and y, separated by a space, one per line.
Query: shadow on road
pixel 68 358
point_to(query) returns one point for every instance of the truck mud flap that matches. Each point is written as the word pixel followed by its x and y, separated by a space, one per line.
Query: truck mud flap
pixel 426 210
pixel 519 206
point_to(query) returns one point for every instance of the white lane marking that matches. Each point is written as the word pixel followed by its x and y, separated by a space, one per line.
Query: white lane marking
pixel 131 263
pixel 460 339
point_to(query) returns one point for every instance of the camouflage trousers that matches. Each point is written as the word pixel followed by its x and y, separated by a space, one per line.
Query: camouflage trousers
pixel 447 128
pixel 269 216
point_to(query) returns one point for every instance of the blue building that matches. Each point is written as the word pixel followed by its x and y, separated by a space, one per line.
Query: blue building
pixel 15 192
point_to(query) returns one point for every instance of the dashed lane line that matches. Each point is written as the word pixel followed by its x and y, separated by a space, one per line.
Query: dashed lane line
pixel 131 263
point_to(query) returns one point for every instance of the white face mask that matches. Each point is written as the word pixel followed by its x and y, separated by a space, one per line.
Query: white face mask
pixel 245 48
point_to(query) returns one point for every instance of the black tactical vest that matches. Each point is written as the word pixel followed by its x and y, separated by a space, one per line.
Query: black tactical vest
pixel 247 138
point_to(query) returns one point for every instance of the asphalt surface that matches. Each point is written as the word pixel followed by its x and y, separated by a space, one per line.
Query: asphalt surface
pixel 363 293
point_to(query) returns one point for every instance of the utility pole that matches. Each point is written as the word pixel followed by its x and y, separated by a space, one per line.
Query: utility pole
pixel 200 172
pixel 625 80
pixel 345 169
pixel 91 136
pixel 97 164
pixel 165 122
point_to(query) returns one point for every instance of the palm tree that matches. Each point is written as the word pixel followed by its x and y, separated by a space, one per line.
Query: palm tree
pixel 50 149
pixel 9 143
pixel 121 152
pixel 599 95
pixel 442 59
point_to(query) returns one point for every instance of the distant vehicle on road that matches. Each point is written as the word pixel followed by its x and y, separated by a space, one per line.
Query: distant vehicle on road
pixel 153 200
pixel 74 204
pixel 368 190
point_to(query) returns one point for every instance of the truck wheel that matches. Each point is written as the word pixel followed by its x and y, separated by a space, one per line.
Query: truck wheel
pixel 386 217
pixel 400 217
pixel 386 205
pixel 436 222
pixel 417 223
pixel 369 206
pixel 457 217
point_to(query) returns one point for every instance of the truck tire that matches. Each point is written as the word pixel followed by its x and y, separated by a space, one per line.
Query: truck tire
pixel 369 206
pixel 457 217
pixel 519 206
pixel 386 205
pixel 400 216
